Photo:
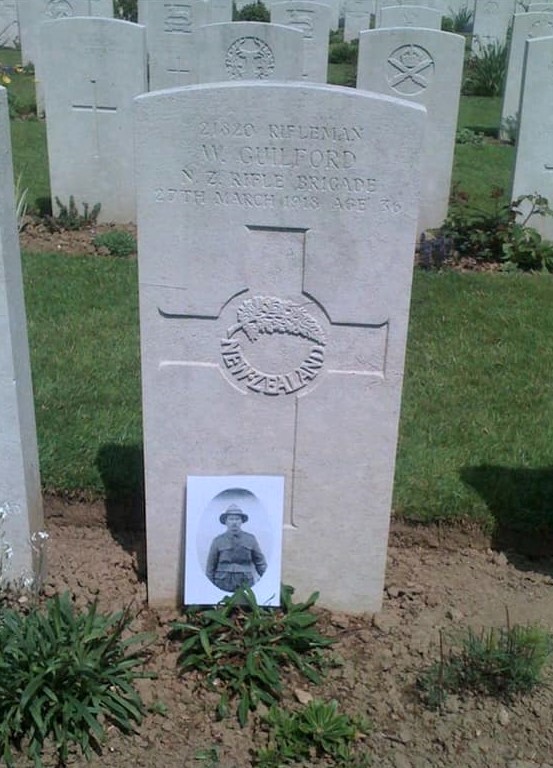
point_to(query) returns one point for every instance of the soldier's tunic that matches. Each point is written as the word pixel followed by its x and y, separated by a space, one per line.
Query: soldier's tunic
pixel 233 560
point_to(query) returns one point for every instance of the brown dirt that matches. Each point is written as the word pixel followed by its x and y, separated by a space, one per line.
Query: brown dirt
pixel 436 579
pixel 37 238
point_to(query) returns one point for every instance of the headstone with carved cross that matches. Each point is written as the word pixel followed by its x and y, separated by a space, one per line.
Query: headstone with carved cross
pixel 93 70
pixel 276 233
pixel 533 172
pixel 314 22
pixel 21 518
pixel 410 16
pixel 425 66
pixel 492 19
pixel 248 50
pixel 9 28
pixel 525 26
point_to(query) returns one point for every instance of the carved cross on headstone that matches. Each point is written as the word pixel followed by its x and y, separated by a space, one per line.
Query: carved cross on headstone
pixel 95 109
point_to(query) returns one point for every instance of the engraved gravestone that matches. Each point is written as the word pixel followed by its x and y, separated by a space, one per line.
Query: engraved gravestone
pixel 276 231
pixel 425 66
pixel 358 16
pixel 248 50
pixel 93 70
pixel 313 21
pixel 410 16
pixel 491 23
pixel 533 172
pixel 32 13
pixel 9 28
pixel 525 26
pixel 20 499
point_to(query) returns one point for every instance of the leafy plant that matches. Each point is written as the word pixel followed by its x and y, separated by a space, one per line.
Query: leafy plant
pixel 344 52
pixel 69 217
pixel 501 235
pixel 241 647
pixel 318 730
pixel 64 676
pixel 485 73
pixel 501 662
pixel 118 242
pixel 256 11
pixel 434 251
pixel 126 10
pixel 468 136
pixel 461 19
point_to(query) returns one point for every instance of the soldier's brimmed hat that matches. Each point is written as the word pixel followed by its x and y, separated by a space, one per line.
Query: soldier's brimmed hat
pixel 232 510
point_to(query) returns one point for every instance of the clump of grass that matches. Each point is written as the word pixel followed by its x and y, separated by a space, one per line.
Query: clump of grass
pixel 503 663
pixel 317 730
pixel 64 676
pixel 242 648
pixel 118 242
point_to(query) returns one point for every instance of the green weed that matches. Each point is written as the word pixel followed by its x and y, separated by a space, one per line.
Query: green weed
pixel 69 217
pixel 243 647
pixel 485 73
pixel 318 730
pixel 118 242
pixel 503 663
pixel 64 676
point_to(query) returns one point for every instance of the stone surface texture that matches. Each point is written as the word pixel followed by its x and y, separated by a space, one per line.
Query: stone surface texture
pixel 525 26
pixel 276 229
pixel 248 50
pixel 358 16
pixel 533 172
pixel 314 21
pixel 491 22
pixel 424 66
pixel 9 27
pixel 20 497
pixel 410 16
pixel 93 70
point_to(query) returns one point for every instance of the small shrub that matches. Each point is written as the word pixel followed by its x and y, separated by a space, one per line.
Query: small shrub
pixel 468 136
pixel 447 24
pixel 434 252
pixel 343 53
pixel 485 73
pixel 64 676
pixel 318 730
pixel 501 662
pixel 117 242
pixel 69 217
pixel 462 20
pixel 256 11
pixel 244 647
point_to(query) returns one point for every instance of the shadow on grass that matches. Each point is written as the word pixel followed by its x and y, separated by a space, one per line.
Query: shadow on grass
pixel 121 468
pixel 521 504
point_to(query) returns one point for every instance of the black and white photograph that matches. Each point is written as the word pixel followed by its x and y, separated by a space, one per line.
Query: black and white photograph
pixel 233 537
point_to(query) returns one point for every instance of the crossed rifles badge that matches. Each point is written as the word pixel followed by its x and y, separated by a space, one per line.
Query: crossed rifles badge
pixel 410 69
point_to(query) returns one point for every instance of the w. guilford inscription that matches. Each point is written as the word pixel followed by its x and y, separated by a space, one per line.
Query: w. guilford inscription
pixel 253 166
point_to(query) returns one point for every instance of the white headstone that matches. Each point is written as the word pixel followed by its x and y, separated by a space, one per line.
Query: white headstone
pixel 334 5
pixel 9 28
pixel 32 13
pixel 537 7
pixel 410 16
pixel 533 172
pixel 358 16
pixel 20 498
pixel 248 50
pixel 313 20
pixel 276 232
pixel 436 4
pixel 93 70
pixel 491 23
pixel 424 66
pixel 525 26
pixel 215 12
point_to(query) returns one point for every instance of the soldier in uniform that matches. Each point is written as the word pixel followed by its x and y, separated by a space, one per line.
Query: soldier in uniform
pixel 235 556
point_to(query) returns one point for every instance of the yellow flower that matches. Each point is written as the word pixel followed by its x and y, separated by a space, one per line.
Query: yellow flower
pixel 6 80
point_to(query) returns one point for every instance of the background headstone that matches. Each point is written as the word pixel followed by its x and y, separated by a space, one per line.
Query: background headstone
pixel 525 26
pixel 9 28
pixel 533 172
pixel 20 498
pixel 410 16
pixel 491 23
pixel 313 20
pixel 276 227
pixel 358 16
pixel 247 50
pixel 425 66
pixel 93 70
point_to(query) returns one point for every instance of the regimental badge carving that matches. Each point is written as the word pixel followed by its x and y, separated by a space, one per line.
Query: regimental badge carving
pixel 410 69
pixel 263 316
pixel 59 9
pixel 249 58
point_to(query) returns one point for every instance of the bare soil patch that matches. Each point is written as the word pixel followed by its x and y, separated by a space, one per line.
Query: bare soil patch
pixel 436 579
pixel 36 237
